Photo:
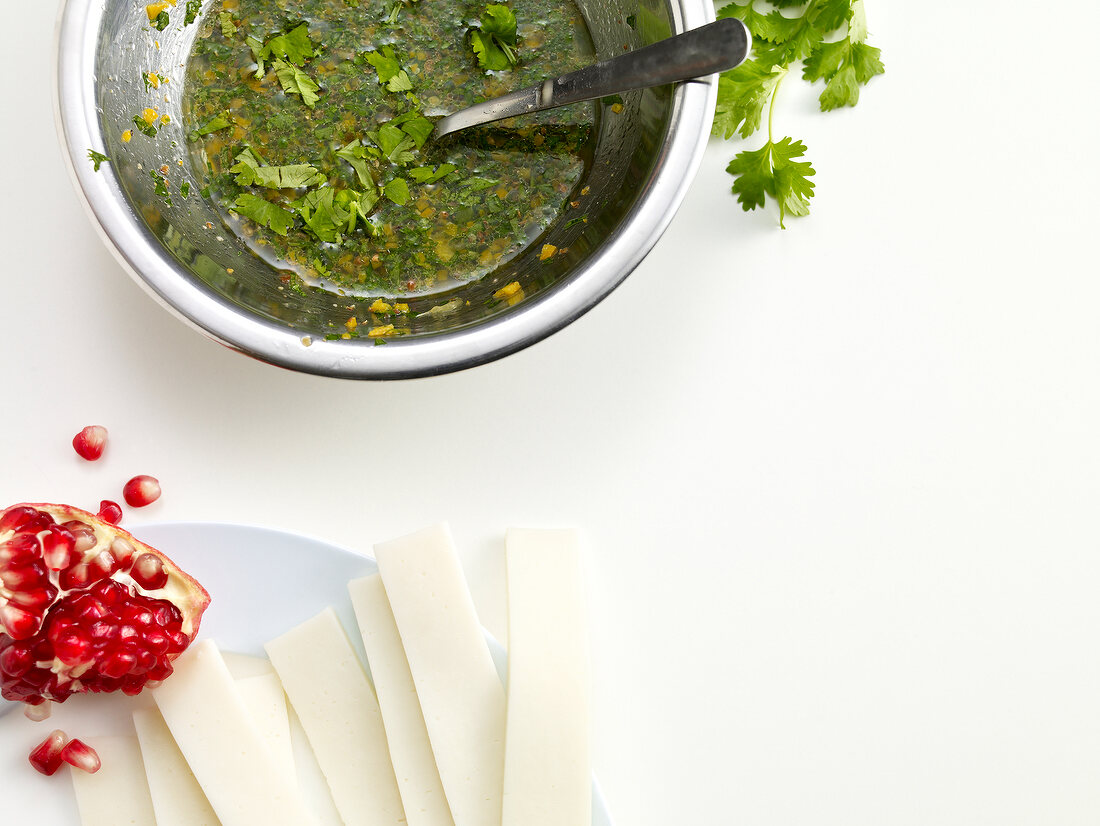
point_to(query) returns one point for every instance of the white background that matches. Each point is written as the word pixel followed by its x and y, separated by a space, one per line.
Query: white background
pixel 838 483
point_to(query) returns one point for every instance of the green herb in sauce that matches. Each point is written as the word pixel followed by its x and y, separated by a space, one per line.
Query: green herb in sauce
pixel 339 180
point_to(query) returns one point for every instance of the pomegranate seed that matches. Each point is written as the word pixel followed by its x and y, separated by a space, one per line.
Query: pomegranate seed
pixel 75 577
pixel 117 664
pixel 16 660
pixel 46 756
pixel 37 712
pixel 123 552
pixel 90 441
pixel 14 518
pixel 22 550
pixel 72 646
pixel 34 599
pixel 156 642
pixel 17 623
pixel 149 573
pixel 110 511
pixel 80 755
pixel 83 534
pixel 141 491
pixel 58 547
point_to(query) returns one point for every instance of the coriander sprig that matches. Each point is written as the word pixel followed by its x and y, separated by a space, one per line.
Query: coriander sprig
pixel 779 41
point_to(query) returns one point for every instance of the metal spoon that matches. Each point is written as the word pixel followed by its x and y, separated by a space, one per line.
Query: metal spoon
pixel 712 48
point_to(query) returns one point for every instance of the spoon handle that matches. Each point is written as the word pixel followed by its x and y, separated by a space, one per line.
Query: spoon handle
pixel 712 48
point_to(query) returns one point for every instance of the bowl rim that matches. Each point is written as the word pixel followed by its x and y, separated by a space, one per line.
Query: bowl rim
pixel 218 318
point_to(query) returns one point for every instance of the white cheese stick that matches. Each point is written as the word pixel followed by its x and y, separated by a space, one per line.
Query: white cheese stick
pixel 547 765
pixel 411 752
pixel 117 794
pixel 177 797
pixel 264 698
pixel 244 781
pixel 460 693
pixel 330 692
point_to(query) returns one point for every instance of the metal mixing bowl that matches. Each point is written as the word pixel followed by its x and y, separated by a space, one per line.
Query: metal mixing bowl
pixel 645 157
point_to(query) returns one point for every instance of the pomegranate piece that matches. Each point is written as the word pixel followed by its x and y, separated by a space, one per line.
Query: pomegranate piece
pixel 46 756
pixel 80 755
pixel 110 511
pixel 86 607
pixel 141 491
pixel 90 441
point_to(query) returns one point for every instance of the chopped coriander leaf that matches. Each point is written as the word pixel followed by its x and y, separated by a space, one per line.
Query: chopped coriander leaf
pixel 296 82
pixel 264 212
pixel 389 70
pixel 476 184
pixel 192 11
pixel 97 158
pixel 160 186
pixel 161 22
pixel 494 42
pixel 257 47
pixel 228 24
pixel 145 127
pixel 321 215
pixel 250 171
pixel 397 191
pixel 394 144
pixel 185 189
pixel 415 125
pixel 293 46
pixel 215 124
pixel 428 175
pixel 356 154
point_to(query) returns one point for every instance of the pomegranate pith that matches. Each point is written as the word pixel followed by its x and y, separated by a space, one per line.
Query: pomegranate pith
pixel 90 441
pixel 84 606
pixel 141 491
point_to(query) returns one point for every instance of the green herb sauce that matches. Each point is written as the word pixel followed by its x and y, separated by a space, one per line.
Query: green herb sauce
pixel 437 213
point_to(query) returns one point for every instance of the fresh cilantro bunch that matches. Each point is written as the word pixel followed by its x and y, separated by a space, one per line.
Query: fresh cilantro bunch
pixel 779 40
pixel 495 41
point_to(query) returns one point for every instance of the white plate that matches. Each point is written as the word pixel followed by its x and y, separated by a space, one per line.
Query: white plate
pixel 262 582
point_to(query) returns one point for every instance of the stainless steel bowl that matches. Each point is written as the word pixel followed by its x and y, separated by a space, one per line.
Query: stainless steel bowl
pixel 644 160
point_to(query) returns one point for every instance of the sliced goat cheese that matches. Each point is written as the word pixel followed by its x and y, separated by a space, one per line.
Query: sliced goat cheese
pixel 410 750
pixel 330 692
pixel 547 764
pixel 178 799
pixel 117 794
pixel 245 782
pixel 460 693
pixel 311 780
pixel 264 698
pixel 242 666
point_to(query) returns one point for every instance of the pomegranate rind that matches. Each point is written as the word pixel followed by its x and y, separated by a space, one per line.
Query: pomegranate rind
pixel 174 586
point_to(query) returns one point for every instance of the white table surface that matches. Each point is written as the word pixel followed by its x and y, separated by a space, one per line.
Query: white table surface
pixel 838 484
